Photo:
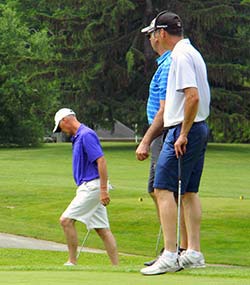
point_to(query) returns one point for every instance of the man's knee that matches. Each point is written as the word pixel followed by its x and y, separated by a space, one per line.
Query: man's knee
pixel 163 194
pixel 152 195
pixel 103 233
pixel 189 196
pixel 65 222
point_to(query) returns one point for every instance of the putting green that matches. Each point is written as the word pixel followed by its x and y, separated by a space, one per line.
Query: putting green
pixel 106 278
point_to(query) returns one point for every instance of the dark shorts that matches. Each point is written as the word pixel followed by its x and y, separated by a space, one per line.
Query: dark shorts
pixel 155 149
pixel 166 172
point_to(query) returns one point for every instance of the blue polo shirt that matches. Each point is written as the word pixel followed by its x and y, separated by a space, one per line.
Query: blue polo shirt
pixel 86 150
pixel 158 85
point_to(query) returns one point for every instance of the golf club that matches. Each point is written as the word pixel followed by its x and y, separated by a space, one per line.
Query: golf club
pixel 158 241
pixel 178 206
pixel 84 240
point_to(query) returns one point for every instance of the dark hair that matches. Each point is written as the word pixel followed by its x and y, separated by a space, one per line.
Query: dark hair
pixel 175 31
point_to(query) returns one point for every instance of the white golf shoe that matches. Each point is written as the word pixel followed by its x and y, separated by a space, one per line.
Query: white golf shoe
pixel 162 265
pixel 192 259
pixel 68 263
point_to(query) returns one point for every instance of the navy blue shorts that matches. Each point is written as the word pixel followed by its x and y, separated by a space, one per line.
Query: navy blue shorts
pixel 166 172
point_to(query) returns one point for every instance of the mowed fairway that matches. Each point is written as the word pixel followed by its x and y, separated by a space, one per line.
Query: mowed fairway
pixel 100 278
pixel 36 186
pixel 44 267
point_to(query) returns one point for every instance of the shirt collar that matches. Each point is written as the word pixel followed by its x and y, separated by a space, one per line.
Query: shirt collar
pixel 73 138
pixel 180 43
pixel 160 59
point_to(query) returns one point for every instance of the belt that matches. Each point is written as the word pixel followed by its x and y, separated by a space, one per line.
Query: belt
pixel 171 127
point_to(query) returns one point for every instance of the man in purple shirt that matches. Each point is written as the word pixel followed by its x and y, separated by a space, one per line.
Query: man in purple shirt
pixel 90 175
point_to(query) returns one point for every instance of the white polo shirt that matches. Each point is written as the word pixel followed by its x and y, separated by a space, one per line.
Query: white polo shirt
pixel 187 69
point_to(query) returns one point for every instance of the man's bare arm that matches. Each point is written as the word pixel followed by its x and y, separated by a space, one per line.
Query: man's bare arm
pixel 190 111
pixel 103 174
pixel 142 151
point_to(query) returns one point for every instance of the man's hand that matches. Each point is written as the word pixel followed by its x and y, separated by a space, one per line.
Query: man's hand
pixel 104 197
pixel 190 111
pixel 142 151
pixel 180 145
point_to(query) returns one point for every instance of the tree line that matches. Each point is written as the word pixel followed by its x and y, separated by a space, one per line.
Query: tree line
pixel 91 56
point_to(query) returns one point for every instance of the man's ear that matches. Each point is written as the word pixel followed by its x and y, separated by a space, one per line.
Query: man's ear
pixel 164 33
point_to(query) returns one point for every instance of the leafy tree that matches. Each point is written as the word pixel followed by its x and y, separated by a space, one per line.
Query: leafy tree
pixel 220 30
pixel 91 56
pixel 26 89
pixel 93 38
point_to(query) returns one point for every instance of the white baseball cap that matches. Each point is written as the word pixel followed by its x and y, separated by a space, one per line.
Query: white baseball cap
pixel 62 113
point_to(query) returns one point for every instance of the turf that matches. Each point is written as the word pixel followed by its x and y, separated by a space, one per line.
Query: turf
pixel 36 186
pixel 44 267
pixel 106 278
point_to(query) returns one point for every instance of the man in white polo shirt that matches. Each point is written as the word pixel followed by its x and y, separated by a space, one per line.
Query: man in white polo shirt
pixel 186 109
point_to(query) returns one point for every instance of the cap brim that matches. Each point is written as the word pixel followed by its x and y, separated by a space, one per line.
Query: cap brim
pixel 56 129
pixel 147 30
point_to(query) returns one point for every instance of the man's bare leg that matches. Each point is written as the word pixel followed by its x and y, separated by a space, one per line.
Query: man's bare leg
pixel 168 216
pixel 70 232
pixel 192 212
pixel 153 196
pixel 184 238
pixel 110 244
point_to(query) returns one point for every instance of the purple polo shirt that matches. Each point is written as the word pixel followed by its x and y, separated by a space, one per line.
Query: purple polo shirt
pixel 86 150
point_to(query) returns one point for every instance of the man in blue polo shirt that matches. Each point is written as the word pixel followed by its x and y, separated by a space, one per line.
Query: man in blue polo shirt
pixel 155 111
pixel 90 175
pixel 156 102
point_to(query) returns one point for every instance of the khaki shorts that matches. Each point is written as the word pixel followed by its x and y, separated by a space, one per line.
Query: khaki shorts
pixel 86 206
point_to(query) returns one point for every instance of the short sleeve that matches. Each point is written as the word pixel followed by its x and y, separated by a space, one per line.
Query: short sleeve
pixel 185 72
pixel 92 146
pixel 163 79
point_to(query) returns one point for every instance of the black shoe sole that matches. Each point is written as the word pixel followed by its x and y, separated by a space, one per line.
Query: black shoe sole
pixel 149 263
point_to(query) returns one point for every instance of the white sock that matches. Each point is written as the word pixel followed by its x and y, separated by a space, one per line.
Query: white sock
pixel 193 252
pixel 169 254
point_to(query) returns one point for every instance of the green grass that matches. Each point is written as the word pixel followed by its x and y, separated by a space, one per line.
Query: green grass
pixel 121 278
pixel 25 267
pixel 37 185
